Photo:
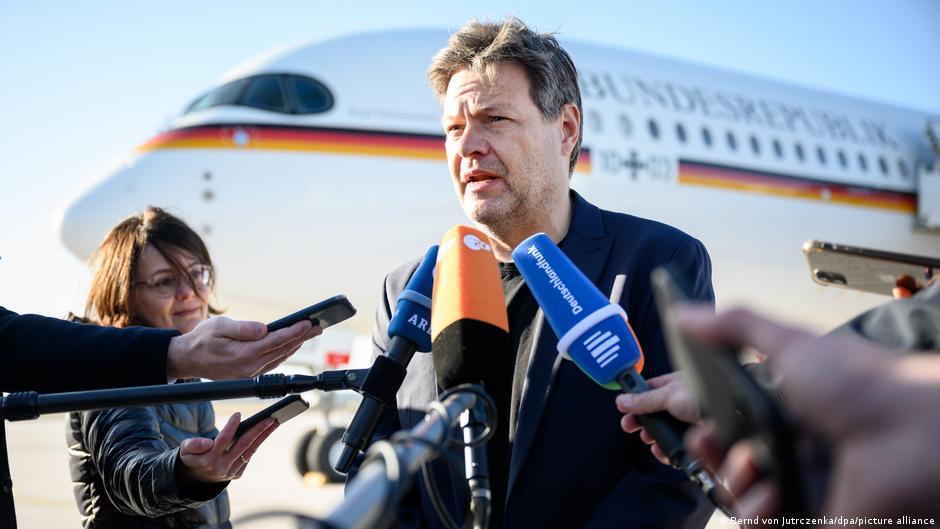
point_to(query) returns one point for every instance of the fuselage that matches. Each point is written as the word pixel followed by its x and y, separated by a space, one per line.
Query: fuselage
pixel 299 202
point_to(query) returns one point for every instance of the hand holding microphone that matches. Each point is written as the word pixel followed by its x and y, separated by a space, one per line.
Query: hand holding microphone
pixel 596 335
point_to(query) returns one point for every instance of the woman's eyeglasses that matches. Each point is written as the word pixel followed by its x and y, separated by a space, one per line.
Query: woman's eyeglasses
pixel 166 284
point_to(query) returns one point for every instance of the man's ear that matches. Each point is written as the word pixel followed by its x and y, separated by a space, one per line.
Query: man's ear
pixel 570 128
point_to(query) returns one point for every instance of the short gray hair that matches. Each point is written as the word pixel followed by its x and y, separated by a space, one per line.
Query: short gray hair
pixel 479 46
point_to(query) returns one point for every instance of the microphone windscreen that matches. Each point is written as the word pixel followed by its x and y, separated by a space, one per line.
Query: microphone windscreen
pixel 592 331
pixel 469 325
pixel 412 318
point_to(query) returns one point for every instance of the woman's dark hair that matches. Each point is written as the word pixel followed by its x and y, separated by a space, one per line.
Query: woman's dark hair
pixel 115 263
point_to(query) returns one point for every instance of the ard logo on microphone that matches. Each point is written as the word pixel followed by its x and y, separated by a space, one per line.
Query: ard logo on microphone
pixel 420 323
pixel 603 346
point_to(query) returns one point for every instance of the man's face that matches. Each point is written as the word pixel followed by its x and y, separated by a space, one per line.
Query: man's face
pixel 508 163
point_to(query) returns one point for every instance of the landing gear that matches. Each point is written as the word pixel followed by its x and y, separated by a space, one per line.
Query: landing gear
pixel 318 451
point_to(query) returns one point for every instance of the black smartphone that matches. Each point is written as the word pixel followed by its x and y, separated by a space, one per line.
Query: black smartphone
pixel 325 313
pixel 865 269
pixel 282 411
pixel 728 394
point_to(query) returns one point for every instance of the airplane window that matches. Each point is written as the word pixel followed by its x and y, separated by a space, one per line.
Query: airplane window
pixel 799 152
pixel 310 95
pixel 883 165
pixel 843 161
pixel 863 162
pixel 732 141
pixel 653 128
pixel 706 137
pixel 778 149
pixel 226 94
pixel 820 155
pixel 265 92
pixel 680 132
pixel 755 145
pixel 625 125
pixel 902 168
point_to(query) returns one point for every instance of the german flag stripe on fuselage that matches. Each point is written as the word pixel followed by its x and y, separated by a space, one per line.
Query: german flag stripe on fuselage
pixel 312 139
pixel 706 174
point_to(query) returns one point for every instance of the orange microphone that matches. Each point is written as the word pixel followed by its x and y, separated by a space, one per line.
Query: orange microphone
pixel 469 326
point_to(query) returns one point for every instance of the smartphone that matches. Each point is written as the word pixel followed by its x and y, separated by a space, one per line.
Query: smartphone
pixel 864 269
pixel 281 411
pixel 325 313
pixel 728 394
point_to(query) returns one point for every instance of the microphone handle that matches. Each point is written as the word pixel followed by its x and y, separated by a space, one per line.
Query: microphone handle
pixel 364 423
pixel 668 432
pixel 663 427
pixel 477 466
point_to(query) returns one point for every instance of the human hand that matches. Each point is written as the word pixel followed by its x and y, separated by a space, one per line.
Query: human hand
pixel 668 393
pixel 222 348
pixel 215 460
pixel 875 410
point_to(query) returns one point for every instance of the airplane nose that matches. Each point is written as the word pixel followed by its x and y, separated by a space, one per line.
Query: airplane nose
pixel 83 221
pixel 74 224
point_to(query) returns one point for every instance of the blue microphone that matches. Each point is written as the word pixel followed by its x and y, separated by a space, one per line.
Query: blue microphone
pixel 409 331
pixel 592 331
pixel 595 334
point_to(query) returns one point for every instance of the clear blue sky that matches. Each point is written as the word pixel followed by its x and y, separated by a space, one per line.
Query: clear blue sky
pixel 86 81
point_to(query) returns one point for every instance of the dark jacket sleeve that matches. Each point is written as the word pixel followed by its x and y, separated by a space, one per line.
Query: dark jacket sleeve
pixel 51 355
pixel 654 494
pixel 911 324
pixel 140 472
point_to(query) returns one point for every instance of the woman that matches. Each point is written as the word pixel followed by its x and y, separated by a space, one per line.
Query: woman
pixel 167 465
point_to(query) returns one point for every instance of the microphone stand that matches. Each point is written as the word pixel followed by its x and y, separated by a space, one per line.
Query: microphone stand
pixel 475 431
pixel 28 405
pixel 372 497
pixel 380 384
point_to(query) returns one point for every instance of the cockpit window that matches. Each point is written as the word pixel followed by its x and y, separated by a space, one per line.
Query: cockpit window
pixel 226 94
pixel 310 95
pixel 284 93
pixel 265 92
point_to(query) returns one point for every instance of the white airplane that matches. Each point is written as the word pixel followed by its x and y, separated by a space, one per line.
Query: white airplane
pixel 316 170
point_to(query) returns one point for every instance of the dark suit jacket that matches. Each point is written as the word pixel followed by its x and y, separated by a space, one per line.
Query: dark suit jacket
pixel 50 355
pixel 572 465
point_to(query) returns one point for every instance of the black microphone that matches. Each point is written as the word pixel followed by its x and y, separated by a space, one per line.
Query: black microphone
pixel 470 343
pixel 409 331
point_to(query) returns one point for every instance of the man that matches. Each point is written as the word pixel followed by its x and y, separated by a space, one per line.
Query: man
pixel 512 118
